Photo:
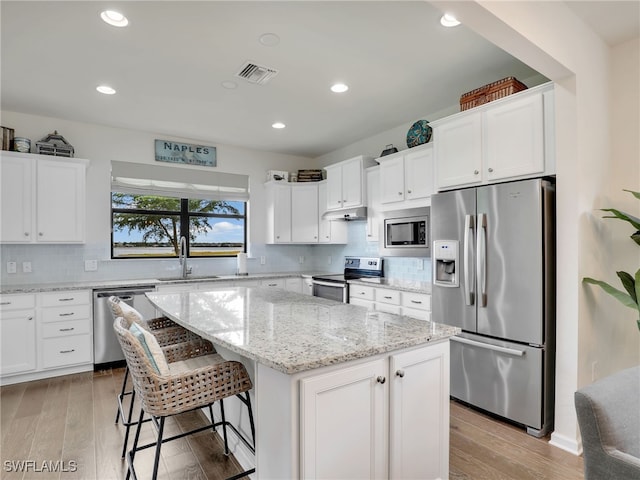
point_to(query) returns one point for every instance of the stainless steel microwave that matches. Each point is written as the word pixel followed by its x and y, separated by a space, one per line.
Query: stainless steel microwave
pixel 405 233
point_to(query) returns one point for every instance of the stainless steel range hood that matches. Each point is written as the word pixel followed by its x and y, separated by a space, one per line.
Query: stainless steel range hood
pixel 349 214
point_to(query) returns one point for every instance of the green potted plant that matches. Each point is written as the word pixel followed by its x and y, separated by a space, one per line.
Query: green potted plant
pixel 631 283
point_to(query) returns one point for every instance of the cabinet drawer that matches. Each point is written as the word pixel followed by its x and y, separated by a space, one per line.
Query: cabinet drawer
pixel 71 312
pixel 416 313
pixel 61 351
pixel 388 296
pixel 17 302
pixel 421 301
pixel 361 302
pixel 361 291
pixel 56 299
pixel 65 329
pixel 388 308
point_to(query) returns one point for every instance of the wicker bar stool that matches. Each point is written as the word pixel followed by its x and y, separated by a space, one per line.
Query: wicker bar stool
pixel 170 388
pixel 168 334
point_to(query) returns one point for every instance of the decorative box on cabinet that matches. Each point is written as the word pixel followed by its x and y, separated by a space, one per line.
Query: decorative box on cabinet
pixel 345 183
pixel 507 139
pixel 406 178
pixel 42 198
pixel 17 333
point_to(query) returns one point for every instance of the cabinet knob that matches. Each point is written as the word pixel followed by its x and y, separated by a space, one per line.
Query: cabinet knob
pixel 26 234
pixel 408 191
pixel 476 172
pixel 400 373
pixel 490 170
pixel 29 318
pixel 399 193
pixel 41 234
pixel 381 379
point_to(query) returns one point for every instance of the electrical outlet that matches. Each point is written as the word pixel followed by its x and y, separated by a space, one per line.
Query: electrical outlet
pixel 263 260
pixel 11 267
pixel 26 267
pixel 90 265
pixel 419 264
pixel 301 259
pixel 329 260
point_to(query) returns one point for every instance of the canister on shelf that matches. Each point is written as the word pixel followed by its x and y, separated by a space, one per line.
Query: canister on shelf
pixel 22 144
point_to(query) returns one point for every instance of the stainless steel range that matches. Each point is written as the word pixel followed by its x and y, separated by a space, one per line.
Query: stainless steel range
pixel 336 287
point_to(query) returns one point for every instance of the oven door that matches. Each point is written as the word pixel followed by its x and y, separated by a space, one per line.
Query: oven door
pixel 331 290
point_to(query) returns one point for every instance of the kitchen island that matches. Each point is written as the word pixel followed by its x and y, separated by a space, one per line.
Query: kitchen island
pixel 339 391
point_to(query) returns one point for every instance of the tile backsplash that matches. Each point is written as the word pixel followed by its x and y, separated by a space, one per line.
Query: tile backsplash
pixel 66 263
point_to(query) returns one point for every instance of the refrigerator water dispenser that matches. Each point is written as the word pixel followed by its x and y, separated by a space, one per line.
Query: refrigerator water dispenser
pixel 445 263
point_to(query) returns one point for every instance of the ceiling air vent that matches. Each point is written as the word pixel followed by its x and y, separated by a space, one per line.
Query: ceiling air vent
pixel 253 73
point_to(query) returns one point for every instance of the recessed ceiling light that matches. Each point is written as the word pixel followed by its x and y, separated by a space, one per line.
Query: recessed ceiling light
pixel 229 84
pixel 269 39
pixel 114 18
pixel 339 88
pixel 107 90
pixel 448 20
pixel 278 125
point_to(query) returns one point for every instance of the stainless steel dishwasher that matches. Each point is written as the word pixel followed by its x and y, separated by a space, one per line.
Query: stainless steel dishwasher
pixel 106 349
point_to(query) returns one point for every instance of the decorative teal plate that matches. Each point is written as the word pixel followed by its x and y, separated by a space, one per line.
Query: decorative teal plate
pixel 419 133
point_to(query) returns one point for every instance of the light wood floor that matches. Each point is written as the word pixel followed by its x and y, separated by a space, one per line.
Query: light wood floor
pixel 71 418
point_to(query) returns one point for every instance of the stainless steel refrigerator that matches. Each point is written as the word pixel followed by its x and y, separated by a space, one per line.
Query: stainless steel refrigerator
pixel 493 260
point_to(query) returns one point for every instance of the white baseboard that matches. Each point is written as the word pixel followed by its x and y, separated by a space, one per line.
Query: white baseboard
pixel 565 443
pixel 42 374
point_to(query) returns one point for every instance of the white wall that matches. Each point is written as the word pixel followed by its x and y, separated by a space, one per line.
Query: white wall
pixel 102 144
pixel 596 156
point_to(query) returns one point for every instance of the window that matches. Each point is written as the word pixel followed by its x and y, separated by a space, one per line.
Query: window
pixel 152 207
pixel 150 226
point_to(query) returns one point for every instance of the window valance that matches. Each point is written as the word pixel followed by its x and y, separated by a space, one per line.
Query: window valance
pixel 145 179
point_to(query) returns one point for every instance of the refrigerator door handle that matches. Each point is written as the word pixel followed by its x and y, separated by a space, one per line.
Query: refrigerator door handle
pixel 469 293
pixel 481 259
pixel 488 346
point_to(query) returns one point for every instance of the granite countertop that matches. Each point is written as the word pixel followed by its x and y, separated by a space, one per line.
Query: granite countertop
pixel 53 287
pixel 291 332
pixel 395 284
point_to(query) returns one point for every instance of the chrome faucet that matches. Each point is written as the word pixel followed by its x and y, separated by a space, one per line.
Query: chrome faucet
pixel 182 257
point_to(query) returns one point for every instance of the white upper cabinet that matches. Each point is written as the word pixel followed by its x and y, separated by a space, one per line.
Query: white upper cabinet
pixel 373 203
pixel 43 199
pixel 458 151
pixel 304 212
pixel 514 139
pixel 294 214
pixel 406 178
pixel 278 212
pixel 329 231
pixel 345 183
pixel 507 139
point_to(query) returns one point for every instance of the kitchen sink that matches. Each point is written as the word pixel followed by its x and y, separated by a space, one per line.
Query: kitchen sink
pixel 187 279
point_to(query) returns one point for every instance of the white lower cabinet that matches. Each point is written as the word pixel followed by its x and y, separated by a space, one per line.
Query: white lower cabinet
pixel 45 334
pixel 419 413
pixel 65 328
pixel 410 304
pixel 386 418
pixel 17 334
pixel 344 424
